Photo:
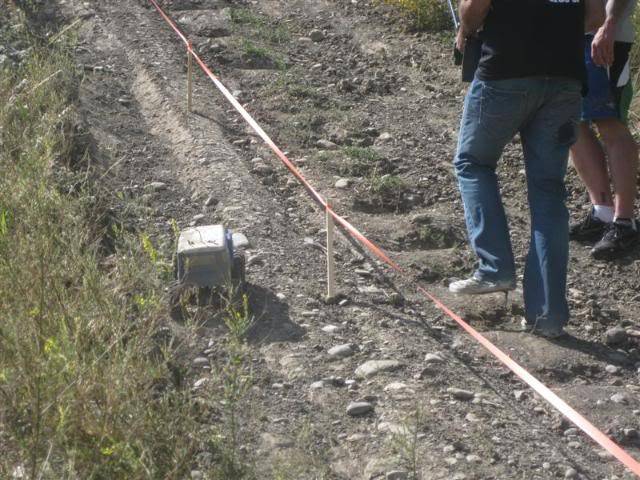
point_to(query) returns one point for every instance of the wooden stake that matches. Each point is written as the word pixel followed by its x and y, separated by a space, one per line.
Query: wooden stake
pixel 189 77
pixel 331 268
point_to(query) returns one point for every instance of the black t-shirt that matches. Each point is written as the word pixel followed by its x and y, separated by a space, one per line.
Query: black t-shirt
pixel 526 38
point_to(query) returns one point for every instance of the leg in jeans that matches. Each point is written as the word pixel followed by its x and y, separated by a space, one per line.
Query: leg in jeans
pixel 546 140
pixel 492 114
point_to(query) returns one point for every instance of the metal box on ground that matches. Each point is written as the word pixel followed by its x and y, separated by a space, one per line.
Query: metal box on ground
pixel 205 256
pixel 208 260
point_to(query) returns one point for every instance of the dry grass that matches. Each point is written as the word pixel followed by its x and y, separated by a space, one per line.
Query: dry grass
pixel 88 384
pixel 431 15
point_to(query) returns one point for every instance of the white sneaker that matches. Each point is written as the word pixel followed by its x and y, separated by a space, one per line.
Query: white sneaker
pixel 473 286
pixel 550 333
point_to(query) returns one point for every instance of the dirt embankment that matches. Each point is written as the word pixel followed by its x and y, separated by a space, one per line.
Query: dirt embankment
pixel 369 112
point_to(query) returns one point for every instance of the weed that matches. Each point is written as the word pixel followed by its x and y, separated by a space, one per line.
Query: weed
pixel 255 51
pixel 362 162
pixel 262 57
pixel 308 459
pixel 359 153
pixel 405 442
pixel 382 193
pixel 260 26
pixel 387 186
pixel 244 16
pixel 234 382
pixel 438 236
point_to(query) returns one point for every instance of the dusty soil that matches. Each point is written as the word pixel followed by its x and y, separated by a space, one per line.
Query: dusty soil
pixel 388 100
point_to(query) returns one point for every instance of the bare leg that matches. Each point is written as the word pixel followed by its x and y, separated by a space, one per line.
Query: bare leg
pixel 622 155
pixel 590 163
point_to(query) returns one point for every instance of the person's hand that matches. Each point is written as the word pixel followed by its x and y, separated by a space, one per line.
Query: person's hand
pixel 461 40
pixel 602 46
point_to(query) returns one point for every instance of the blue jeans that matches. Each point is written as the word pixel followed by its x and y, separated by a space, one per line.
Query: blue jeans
pixel 545 112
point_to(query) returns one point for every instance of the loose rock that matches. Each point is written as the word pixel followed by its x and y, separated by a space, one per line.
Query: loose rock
pixel 615 336
pixel 201 361
pixel 357 409
pixel 460 394
pixel 520 395
pixel 619 398
pixel 373 367
pixel 341 351
pixel 384 137
pixel 156 186
pixel 397 475
pixel 343 183
pixel 433 358
pixel 571 473
pixel 395 386
pixel 316 35
pixel 262 169
pixel 326 144
pixel 612 369
pixel 331 329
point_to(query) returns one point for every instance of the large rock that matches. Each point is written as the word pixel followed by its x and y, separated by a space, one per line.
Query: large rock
pixel 373 367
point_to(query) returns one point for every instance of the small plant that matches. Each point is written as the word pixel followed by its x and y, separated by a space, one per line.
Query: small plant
pixel 234 382
pixel 307 460
pixel 359 153
pixel 275 34
pixel 435 236
pixel 388 186
pixel 382 193
pixel 255 51
pixel 244 16
pixel 405 442
pixel 262 57
pixel 431 15
pixel 362 161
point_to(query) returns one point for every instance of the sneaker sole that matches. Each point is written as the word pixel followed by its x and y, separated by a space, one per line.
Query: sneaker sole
pixel 612 254
pixel 591 236
pixel 484 292
pixel 543 333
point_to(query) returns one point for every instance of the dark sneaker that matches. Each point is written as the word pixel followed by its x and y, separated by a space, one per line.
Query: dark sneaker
pixel 588 229
pixel 620 237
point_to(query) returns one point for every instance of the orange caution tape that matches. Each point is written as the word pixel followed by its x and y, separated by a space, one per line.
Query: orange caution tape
pixel 541 389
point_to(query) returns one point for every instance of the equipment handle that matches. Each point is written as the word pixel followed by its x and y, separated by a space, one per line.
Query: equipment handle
pixel 457 56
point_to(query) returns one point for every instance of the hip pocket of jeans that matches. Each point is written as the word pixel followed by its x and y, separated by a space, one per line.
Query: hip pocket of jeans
pixel 501 109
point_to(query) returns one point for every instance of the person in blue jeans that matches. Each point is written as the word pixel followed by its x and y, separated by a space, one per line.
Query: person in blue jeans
pixel 529 81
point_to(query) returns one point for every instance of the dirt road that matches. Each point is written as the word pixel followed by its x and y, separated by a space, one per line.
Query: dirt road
pixel 369 112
